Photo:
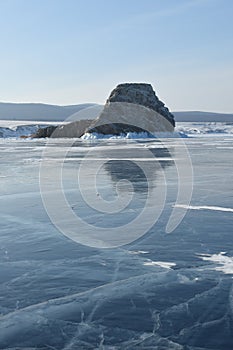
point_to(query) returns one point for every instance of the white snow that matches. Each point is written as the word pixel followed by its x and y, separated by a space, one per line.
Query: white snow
pixel 201 129
pixel 132 135
pixel 136 252
pixel 225 263
pixel 164 264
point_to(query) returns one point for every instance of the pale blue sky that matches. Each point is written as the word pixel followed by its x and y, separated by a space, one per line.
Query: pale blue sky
pixel 76 51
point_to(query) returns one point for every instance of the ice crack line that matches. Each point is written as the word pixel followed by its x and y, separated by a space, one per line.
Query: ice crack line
pixel 203 207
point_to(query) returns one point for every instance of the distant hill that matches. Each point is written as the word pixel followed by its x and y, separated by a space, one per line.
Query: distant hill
pixel 198 116
pixel 40 111
pixel 46 112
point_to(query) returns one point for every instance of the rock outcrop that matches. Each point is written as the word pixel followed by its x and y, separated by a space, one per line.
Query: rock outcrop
pixel 133 107
pixel 142 94
pixel 71 130
pixel 44 132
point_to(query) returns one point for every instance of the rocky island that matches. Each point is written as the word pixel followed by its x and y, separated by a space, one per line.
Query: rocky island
pixel 131 107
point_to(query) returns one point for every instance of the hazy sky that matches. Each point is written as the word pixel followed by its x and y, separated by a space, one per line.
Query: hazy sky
pixel 76 51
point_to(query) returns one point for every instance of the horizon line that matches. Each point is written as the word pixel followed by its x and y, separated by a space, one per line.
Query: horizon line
pixel 100 104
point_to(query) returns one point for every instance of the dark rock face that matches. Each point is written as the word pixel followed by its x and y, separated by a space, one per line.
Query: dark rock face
pixel 133 107
pixel 142 94
pixel 44 132
pixel 115 129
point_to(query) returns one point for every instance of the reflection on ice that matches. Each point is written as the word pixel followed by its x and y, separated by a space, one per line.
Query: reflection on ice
pixel 139 174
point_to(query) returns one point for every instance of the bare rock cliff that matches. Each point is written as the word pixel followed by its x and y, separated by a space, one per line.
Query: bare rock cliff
pixel 133 107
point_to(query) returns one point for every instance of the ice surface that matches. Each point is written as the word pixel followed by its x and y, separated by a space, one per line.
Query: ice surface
pixel 162 291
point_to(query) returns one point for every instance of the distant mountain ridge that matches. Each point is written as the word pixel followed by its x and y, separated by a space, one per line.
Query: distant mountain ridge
pixel 47 112
pixel 39 111
pixel 198 116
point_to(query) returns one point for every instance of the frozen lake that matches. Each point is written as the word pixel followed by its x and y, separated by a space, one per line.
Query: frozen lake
pixel 150 289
